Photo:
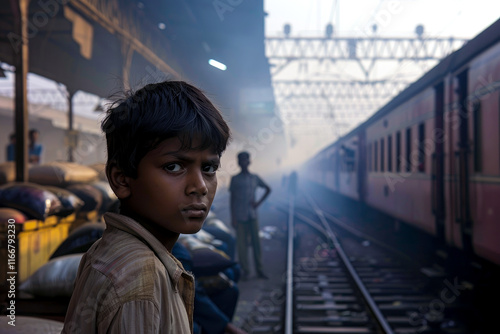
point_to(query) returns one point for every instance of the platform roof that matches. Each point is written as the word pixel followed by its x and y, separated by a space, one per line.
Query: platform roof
pixel 94 45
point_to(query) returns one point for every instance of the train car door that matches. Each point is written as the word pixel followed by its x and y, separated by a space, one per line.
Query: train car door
pixel 463 216
pixel 438 204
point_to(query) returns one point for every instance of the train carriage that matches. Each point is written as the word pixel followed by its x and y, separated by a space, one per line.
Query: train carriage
pixel 399 169
pixel 431 156
pixel 472 171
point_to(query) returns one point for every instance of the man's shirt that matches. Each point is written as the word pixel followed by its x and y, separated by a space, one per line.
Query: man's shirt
pixel 36 150
pixel 242 188
pixel 11 152
pixel 128 282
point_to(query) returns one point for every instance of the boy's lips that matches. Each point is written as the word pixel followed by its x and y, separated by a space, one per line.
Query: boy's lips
pixel 197 210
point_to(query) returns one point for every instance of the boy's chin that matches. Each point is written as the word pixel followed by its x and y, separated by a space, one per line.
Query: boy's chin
pixel 193 227
pixel 192 231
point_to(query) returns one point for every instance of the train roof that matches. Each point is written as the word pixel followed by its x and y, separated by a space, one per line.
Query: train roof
pixel 452 62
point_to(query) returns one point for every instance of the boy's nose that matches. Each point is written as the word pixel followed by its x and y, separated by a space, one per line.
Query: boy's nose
pixel 196 184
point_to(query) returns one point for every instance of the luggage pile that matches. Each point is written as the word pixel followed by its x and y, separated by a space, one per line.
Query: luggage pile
pixel 212 255
pixel 57 199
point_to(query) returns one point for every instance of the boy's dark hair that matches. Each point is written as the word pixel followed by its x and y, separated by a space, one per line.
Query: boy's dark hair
pixel 137 123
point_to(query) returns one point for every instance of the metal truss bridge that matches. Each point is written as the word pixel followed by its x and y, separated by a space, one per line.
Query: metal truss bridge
pixel 337 79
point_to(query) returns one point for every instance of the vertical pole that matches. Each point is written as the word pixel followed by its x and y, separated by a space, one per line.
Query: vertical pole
pixel 20 50
pixel 70 126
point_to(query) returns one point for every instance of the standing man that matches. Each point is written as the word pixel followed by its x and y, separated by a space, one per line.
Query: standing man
pixel 11 148
pixel 244 214
pixel 34 148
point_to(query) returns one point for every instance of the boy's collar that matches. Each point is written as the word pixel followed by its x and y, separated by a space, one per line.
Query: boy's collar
pixel 129 225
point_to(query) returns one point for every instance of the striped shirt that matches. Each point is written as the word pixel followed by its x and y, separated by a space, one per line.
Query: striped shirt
pixel 128 282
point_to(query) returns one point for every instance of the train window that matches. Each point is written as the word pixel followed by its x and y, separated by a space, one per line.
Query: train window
pixel 389 153
pixel 421 147
pixel 375 155
pixel 398 151
pixel 382 155
pixel 408 149
pixel 348 158
pixel 477 137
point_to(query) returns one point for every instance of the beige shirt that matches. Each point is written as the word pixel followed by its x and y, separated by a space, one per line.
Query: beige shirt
pixel 128 282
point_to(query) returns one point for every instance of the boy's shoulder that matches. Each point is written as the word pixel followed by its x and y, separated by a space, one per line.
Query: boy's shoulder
pixel 122 258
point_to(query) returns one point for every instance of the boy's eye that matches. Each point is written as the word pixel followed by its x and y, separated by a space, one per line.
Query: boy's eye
pixel 210 168
pixel 173 167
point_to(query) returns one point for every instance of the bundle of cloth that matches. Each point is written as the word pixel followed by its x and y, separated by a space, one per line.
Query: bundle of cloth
pixel 209 255
pixel 57 277
pixel 77 189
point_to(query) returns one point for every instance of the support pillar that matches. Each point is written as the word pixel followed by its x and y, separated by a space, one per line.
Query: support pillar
pixel 19 41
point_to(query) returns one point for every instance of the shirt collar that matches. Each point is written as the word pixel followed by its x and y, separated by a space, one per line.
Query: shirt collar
pixel 174 267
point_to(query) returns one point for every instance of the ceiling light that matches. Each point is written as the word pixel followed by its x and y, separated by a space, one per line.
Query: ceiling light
pixel 217 64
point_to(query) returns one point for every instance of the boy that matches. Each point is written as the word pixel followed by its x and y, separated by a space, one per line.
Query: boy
pixel 244 213
pixel 164 144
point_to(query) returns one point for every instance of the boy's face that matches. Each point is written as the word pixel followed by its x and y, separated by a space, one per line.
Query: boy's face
pixel 175 189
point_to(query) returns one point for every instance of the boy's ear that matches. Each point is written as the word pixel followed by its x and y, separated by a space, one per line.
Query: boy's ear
pixel 118 181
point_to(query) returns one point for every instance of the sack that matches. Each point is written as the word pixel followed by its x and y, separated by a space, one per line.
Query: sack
pixel 80 239
pixel 7 172
pixel 218 223
pixel 91 197
pixel 207 260
pixel 70 202
pixel 204 236
pixel 61 174
pixel 8 213
pixel 100 168
pixel 216 283
pixel 31 199
pixel 108 196
pixel 56 278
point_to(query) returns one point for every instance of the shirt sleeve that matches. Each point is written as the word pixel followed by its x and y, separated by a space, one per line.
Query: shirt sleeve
pixel 139 316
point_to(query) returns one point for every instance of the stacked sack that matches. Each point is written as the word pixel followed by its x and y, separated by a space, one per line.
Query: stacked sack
pixel 57 277
pixel 210 249
pixel 81 189
pixel 56 192
pixel 87 182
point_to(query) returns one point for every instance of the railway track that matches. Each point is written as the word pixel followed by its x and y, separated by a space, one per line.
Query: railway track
pixel 340 282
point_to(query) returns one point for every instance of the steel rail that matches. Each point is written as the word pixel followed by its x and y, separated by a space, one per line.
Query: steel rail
pixel 289 269
pixel 366 295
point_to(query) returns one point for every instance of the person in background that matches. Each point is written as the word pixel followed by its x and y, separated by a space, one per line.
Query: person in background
pixel 34 149
pixel 244 214
pixel 11 148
